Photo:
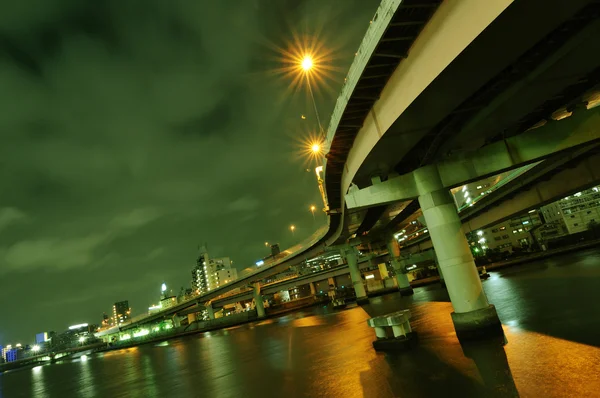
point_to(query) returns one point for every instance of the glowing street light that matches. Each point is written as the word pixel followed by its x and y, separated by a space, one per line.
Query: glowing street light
pixel 307 63
pixel 35 348
pixel 312 210
pixel 267 244
pixel 316 148
pixel 292 228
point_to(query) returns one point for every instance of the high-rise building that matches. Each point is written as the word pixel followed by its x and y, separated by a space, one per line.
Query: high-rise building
pixel 121 312
pixel 209 274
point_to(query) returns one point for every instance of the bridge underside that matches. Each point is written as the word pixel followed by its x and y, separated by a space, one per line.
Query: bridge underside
pixel 520 71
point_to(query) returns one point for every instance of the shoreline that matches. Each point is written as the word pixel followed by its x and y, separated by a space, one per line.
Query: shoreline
pixel 251 315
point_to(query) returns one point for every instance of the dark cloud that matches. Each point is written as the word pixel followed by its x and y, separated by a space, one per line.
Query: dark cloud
pixel 132 131
pixel 217 119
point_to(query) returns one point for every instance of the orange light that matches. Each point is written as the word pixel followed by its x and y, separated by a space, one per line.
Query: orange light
pixel 307 63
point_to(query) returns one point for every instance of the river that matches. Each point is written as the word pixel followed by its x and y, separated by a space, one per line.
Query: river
pixel 549 308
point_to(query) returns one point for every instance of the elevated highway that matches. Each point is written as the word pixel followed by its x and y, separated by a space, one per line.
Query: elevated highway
pixel 480 88
pixel 442 93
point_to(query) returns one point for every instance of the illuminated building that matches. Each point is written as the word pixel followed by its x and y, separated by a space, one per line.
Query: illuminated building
pixel 209 274
pixel 42 338
pixel 580 209
pixel 121 312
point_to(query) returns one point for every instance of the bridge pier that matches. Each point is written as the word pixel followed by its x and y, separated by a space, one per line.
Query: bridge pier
pixel 473 316
pixel 210 310
pixel 176 321
pixel 442 281
pixel 349 253
pixel 258 301
pixel 313 289
pixel 401 278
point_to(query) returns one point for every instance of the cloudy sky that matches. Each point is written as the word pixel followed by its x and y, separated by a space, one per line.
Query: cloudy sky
pixel 131 131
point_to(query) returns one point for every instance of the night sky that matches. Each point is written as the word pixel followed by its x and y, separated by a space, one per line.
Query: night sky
pixel 132 131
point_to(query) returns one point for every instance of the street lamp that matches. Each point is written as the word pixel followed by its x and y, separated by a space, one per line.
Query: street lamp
pixel 293 228
pixel 307 64
pixel 35 348
pixel 266 243
pixel 312 210
pixel 316 148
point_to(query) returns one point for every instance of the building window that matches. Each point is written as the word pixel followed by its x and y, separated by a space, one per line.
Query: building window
pixel 497 238
pixel 502 228
pixel 575 224
pixel 504 236
pixel 494 230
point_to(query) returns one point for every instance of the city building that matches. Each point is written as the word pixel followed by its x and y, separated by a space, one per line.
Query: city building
pixel 569 215
pixel 578 211
pixel 121 312
pixel 42 338
pixel 105 320
pixel 167 302
pixel 210 273
pixel 10 353
pixel 507 235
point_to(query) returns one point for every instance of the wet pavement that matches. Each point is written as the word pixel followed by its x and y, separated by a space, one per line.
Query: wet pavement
pixel 550 310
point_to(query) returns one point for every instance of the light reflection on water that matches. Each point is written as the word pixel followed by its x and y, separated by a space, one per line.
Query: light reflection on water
pixel 551 327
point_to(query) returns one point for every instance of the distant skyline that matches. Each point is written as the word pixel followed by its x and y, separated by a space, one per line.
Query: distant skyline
pixel 132 135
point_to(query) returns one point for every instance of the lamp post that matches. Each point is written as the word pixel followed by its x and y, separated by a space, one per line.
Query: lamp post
pixel 307 65
pixel 293 228
pixel 312 210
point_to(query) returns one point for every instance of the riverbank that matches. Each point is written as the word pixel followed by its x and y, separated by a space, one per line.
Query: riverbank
pixel 49 357
pixel 304 303
pixel 545 306
pixel 516 261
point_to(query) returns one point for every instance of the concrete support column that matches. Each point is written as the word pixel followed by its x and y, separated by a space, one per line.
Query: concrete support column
pixel 313 289
pixel 401 278
pixel 210 310
pixel 350 255
pixel 380 332
pixel 473 315
pixel 258 301
pixel 331 282
pixel 176 321
pixel 442 281
pixel 191 318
